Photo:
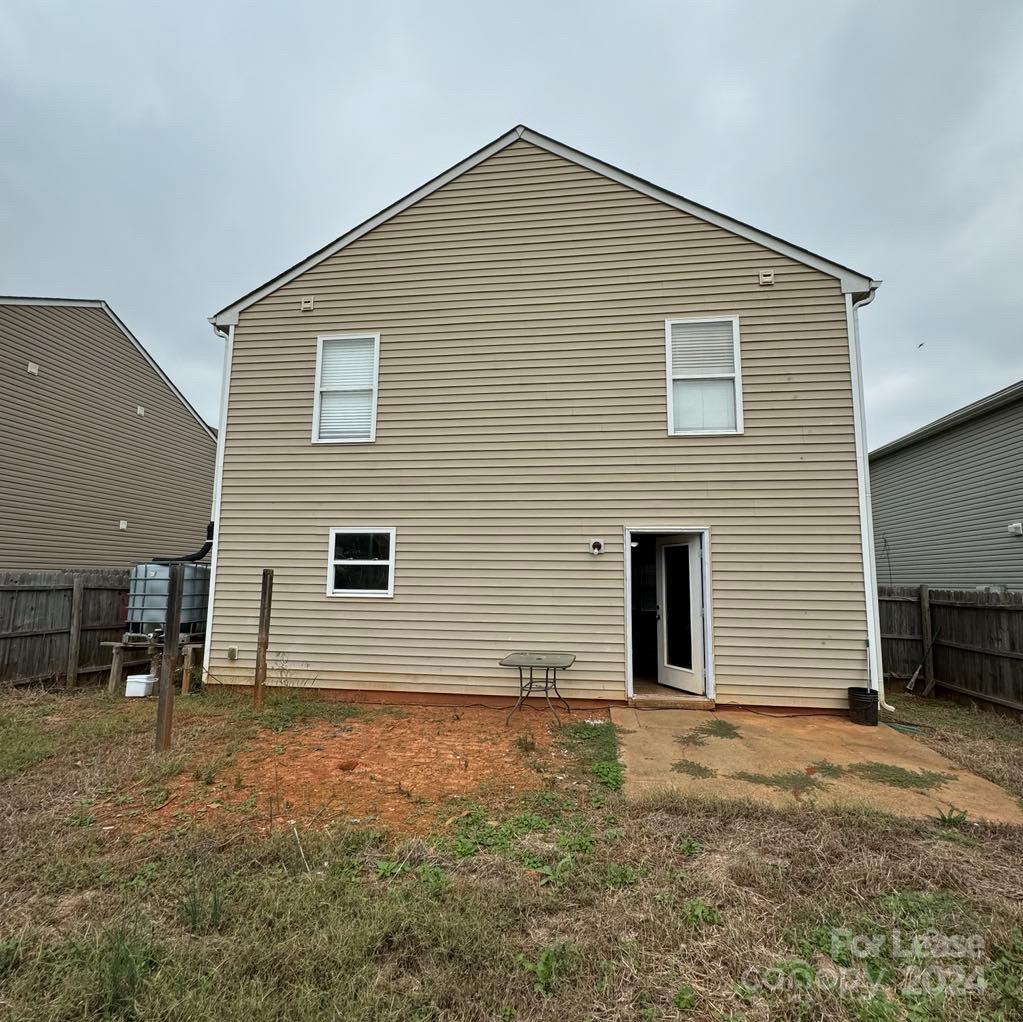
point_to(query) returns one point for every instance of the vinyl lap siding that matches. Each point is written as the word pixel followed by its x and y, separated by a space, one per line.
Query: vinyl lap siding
pixel 522 413
pixel 942 506
pixel 68 439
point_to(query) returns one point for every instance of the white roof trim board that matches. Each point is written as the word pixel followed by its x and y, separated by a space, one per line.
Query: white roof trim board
pixel 98 303
pixel 852 282
pixel 986 405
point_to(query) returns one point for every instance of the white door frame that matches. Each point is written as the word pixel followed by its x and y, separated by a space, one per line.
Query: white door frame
pixel 703 531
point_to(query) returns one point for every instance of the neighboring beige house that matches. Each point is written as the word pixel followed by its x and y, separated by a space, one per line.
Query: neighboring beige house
pixel 102 462
pixel 435 421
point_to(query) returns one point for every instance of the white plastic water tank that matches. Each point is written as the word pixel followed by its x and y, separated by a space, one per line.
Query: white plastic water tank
pixel 147 596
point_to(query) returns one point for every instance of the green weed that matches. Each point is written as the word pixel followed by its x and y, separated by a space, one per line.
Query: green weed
pixel 695 912
pixel 828 769
pixel 684 998
pixel 951 818
pixel 796 782
pixel 201 908
pixel 611 774
pixel 617 876
pixel 577 843
pixel 555 875
pixel 433 878
pixel 715 727
pixel 899 777
pixel 693 769
pixel 549 967
pixel 387 869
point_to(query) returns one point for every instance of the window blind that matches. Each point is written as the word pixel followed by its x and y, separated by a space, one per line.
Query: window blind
pixel 705 393
pixel 347 383
pixel 704 349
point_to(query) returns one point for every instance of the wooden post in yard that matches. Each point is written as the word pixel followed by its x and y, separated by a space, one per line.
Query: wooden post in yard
pixel 74 638
pixel 187 667
pixel 263 639
pixel 116 679
pixel 171 636
pixel 926 637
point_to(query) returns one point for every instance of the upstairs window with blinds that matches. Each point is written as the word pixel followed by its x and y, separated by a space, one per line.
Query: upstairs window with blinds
pixel 704 381
pixel 346 388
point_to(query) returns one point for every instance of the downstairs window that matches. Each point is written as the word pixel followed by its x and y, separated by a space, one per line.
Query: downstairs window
pixel 361 562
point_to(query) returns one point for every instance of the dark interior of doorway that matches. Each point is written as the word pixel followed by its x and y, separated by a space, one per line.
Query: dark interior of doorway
pixel 644 599
pixel 644 609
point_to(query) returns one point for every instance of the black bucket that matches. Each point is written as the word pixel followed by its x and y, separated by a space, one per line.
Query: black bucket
pixel 863 706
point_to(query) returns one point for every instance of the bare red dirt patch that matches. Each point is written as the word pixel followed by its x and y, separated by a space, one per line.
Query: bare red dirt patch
pixel 389 768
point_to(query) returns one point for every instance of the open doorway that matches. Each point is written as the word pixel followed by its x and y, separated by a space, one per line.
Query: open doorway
pixel 666 613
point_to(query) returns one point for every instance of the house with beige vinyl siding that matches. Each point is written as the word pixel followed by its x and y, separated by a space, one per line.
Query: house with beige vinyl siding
pixel 542 404
pixel 103 463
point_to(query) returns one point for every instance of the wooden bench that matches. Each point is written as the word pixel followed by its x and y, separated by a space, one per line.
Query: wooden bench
pixel 190 655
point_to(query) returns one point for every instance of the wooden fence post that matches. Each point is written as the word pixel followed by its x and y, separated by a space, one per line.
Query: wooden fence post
pixel 171 637
pixel 263 639
pixel 926 639
pixel 187 667
pixel 74 638
pixel 116 679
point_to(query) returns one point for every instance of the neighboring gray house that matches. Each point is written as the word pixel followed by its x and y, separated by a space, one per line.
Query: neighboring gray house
pixel 103 463
pixel 948 498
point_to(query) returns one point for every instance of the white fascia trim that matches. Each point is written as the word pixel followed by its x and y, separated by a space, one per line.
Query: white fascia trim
pixel 218 484
pixel 98 303
pixel 75 303
pixel 229 316
pixel 863 494
pixel 851 282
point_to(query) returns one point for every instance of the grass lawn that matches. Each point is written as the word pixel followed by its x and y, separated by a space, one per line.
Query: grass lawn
pixel 985 741
pixel 562 902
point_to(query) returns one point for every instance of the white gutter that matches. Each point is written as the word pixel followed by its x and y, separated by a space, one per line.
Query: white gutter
pixel 875 668
pixel 225 389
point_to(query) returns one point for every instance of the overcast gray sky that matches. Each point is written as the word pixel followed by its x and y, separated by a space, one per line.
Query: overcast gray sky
pixel 170 157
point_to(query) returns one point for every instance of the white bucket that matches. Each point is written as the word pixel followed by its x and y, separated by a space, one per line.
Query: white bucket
pixel 138 685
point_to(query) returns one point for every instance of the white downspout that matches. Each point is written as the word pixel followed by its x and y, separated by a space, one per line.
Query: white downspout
pixel 876 670
pixel 225 387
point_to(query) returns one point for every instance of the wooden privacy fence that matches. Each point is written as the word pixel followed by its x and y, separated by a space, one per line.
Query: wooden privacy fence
pixel 52 623
pixel 975 638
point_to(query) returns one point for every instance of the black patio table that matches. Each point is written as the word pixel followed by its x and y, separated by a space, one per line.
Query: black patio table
pixel 551 664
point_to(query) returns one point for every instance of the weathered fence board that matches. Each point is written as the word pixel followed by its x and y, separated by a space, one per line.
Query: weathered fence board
pixel 52 623
pixel 977 638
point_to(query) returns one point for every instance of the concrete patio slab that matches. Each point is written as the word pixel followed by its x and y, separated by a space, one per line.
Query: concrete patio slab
pixel 779 759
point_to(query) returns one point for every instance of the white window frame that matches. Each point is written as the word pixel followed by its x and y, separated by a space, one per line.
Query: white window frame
pixel 332 561
pixel 735 377
pixel 355 336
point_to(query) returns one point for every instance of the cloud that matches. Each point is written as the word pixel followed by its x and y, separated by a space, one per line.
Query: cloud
pixel 171 157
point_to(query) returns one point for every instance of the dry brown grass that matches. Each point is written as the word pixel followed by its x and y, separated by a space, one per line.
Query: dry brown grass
pixel 969 733
pixel 571 904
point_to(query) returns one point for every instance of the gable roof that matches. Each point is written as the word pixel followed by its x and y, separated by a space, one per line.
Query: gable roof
pixel 999 399
pixel 98 303
pixel 858 284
